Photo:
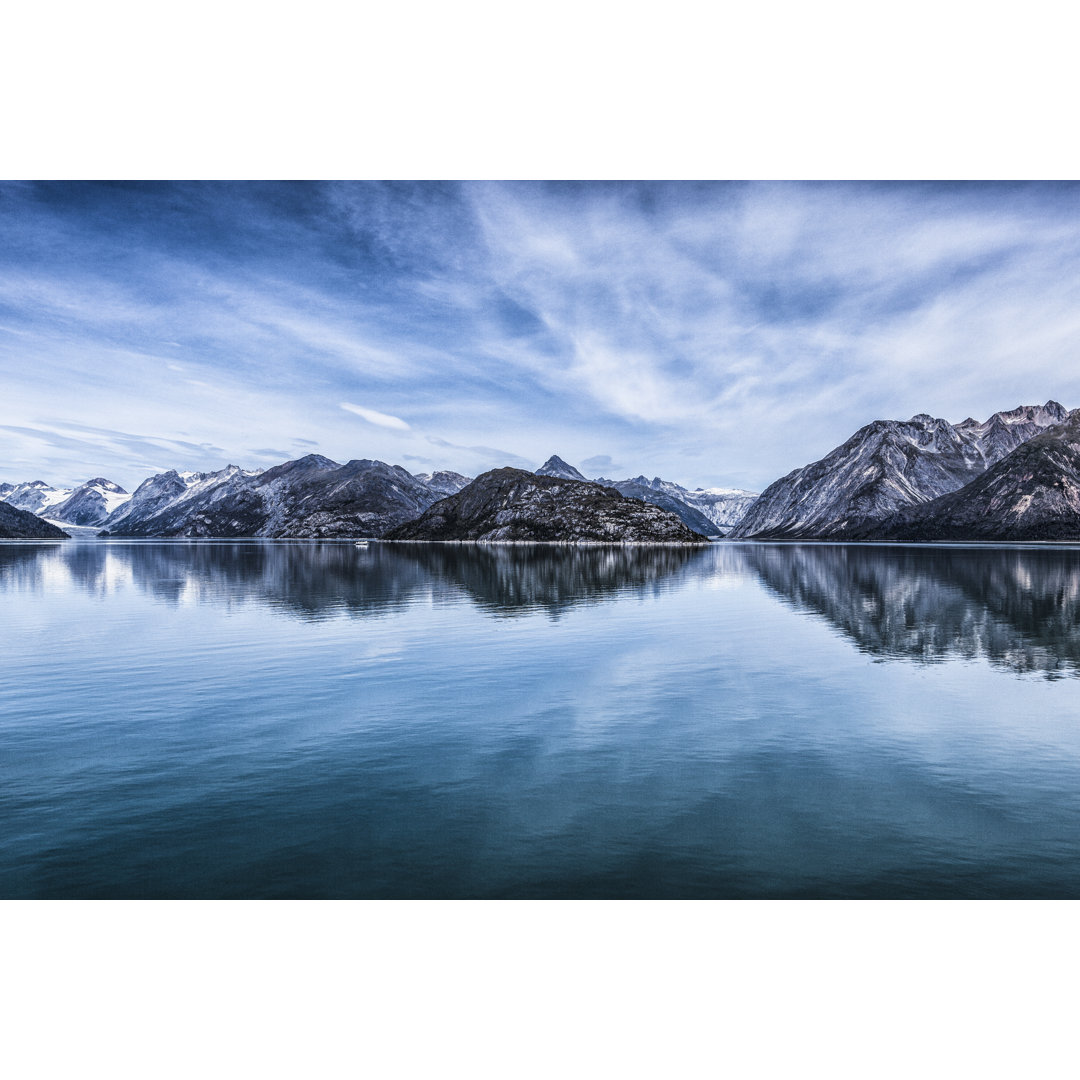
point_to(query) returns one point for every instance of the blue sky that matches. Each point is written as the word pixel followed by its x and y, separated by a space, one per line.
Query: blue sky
pixel 707 333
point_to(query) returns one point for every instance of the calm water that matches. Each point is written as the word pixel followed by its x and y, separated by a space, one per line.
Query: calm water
pixel 248 719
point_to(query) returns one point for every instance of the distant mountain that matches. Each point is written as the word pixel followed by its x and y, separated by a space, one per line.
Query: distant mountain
pixel 90 503
pixel 885 468
pixel 555 466
pixel 707 513
pixel 160 503
pixel 5 490
pixel 723 508
pixel 691 518
pixel 1033 493
pixel 35 496
pixel 444 483
pixel 311 497
pixel 514 505
pixel 16 524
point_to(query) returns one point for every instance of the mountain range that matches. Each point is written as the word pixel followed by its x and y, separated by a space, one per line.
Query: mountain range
pixel 1033 493
pixel 1014 476
pixel 315 497
pixel 887 468
pixel 311 497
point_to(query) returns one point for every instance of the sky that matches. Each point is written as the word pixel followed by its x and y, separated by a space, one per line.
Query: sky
pixel 714 334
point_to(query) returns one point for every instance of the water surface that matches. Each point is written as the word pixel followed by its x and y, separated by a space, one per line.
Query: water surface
pixel 261 719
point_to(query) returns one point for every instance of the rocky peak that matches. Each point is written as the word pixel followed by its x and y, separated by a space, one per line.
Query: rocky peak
pixel 106 485
pixel 555 466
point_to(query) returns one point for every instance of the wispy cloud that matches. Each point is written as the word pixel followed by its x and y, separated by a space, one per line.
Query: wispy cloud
pixel 741 328
pixel 373 416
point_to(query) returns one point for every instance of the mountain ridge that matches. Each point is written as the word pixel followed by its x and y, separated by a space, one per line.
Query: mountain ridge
pixel 884 468
pixel 1033 493
pixel 1014 475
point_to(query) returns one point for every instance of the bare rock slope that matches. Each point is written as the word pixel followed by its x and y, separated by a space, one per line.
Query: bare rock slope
pixel 1031 494
pixel 886 468
pixel 514 505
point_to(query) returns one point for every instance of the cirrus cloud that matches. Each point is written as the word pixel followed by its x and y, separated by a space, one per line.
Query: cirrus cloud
pixel 373 416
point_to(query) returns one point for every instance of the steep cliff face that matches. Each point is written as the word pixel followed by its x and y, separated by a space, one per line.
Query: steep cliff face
pixel 884 469
pixel 514 505
pixel 1031 494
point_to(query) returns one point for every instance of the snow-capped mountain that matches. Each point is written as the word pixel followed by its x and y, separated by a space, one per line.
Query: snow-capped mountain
pixel 309 497
pixel 555 466
pixel 89 504
pixel 514 505
pixel 35 496
pixel 171 491
pixel 886 467
pixel 444 482
pixel 723 507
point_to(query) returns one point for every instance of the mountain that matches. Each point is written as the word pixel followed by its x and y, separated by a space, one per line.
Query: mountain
pixel 1005 431
pixel 90 503
pixel 694 514
pixel 1031 494
pixel 35 496
pixel 555 466
pixel 161 501
pixel 514 505
pixel 310 497
pixel 691 518
pixel 16 524
pixel 723 508
pixel 5 490
pixel 887 467
pixel 444 483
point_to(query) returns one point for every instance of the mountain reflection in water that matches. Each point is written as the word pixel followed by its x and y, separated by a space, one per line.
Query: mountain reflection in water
pixel 311 719
pixel 317 579
pixel 1019 608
